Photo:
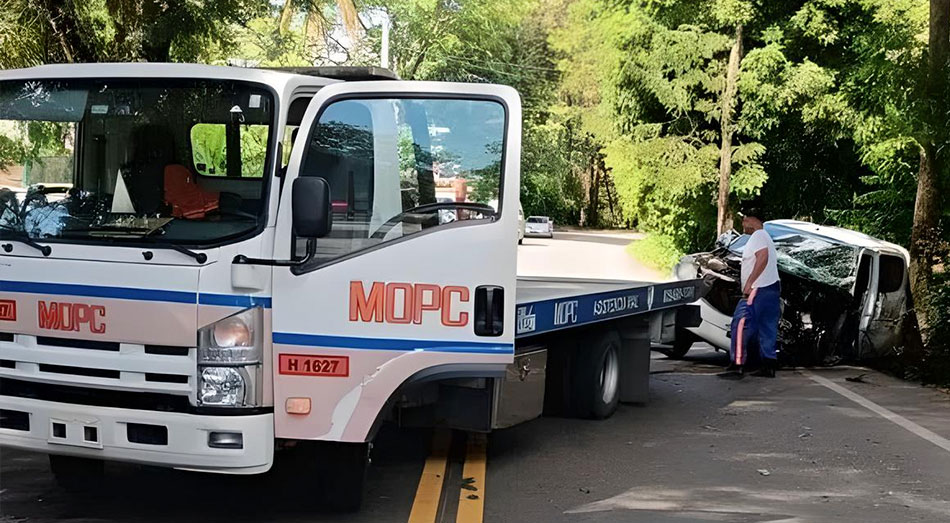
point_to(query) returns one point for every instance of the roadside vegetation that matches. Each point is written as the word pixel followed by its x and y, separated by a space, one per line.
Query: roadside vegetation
pixel 664 116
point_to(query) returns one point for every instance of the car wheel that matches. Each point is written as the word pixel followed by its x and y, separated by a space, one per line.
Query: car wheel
pixel 520 241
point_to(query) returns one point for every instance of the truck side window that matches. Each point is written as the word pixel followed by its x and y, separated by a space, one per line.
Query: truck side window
pixel 398 167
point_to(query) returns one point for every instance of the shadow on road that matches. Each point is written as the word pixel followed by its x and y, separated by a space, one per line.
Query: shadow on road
pixel 610 240
pixel 146 494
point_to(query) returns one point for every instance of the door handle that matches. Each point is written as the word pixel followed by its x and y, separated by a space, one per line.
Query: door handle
pixel 489 310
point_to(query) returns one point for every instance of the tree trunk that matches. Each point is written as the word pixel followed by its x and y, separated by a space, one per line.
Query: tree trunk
pixel 593 209
pixel 286 16
pixel 924 236
pixel 724 215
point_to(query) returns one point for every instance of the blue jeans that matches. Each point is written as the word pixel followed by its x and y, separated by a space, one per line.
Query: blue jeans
pixel 756 324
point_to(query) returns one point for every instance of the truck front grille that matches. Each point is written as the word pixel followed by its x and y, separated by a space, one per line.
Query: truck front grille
pixel 78 344
pixel 98 364
pixel 94 397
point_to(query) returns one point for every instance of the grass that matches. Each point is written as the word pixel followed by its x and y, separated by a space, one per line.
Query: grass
pixel 656 251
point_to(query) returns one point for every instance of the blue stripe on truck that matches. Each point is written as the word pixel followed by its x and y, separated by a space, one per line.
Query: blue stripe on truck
pixel 347 342
pixel 234 300
pixel 132 293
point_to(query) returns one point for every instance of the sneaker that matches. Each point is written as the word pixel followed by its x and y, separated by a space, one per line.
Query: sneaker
pixel 767 370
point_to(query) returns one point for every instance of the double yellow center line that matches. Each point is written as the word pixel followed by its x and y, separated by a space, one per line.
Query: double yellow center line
pixel 428 502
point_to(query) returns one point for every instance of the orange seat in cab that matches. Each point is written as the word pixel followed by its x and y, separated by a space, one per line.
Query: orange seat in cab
pixel 186 198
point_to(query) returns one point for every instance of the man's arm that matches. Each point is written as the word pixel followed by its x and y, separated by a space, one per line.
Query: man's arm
pixel 761 260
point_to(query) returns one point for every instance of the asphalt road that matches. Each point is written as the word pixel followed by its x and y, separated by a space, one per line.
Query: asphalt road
pixel 583 255
pixel 807 446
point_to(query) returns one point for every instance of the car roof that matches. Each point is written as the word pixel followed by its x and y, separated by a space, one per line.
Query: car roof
pixel 834 235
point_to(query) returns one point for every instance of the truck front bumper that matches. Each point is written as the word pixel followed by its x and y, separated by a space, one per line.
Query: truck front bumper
pixel 104 433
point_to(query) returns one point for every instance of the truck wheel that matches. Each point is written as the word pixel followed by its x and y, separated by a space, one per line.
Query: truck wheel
pixel 341 474
pixel 77 474
pixel 558 389
pixel 597 382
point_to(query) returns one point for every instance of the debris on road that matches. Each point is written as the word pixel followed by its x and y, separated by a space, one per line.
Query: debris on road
pixel 764 472
pixel 857 379
pixel 468 484
pixel 584 490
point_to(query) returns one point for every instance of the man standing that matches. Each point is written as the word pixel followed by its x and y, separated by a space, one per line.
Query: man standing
pixel 755 321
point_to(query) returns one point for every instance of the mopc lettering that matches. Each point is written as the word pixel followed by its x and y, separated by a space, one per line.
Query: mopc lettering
pixel 75 317
pixel 408 303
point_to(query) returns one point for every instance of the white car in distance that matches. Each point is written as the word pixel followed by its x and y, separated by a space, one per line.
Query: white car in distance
pixel 539 226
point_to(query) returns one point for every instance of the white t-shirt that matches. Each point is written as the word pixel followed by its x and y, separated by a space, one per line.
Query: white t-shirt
pixel 758 241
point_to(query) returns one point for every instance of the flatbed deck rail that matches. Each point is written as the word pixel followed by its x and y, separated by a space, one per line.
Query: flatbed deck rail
pixel 550 304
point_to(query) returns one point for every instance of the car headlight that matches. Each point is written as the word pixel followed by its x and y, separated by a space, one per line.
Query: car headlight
pixel 686 269
pixel 230 361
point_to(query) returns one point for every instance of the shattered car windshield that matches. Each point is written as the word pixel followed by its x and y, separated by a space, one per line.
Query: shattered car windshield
pixel 810 257
pixel 152 160
pixel 815 259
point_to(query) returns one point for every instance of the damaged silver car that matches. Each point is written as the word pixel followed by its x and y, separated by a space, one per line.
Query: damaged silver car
pixel 844 293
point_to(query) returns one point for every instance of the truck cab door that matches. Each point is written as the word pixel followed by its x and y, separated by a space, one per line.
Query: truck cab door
pixel 416 277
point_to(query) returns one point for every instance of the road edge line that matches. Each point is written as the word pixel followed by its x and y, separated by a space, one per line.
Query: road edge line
pixel 885 413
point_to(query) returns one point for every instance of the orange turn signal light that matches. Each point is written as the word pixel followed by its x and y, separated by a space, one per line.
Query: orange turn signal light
pixel 297 406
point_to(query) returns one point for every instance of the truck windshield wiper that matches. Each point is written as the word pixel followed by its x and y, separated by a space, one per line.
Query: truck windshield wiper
pixel 199 257
pixel 23 238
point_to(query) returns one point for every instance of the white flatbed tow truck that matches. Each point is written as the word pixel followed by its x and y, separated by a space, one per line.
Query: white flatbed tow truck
pixel 228 262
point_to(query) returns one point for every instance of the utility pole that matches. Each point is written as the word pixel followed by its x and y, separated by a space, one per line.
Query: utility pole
pixel 384 46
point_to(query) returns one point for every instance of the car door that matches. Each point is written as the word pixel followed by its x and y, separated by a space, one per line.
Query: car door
pixel 884 330
pixel 417 274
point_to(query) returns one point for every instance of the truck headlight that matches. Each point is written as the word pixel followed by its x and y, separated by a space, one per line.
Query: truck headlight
pixel 222 387
pixel 232 340
pixel 230 361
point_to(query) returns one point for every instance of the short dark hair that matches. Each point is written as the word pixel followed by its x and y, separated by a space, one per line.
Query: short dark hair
pixel 752 209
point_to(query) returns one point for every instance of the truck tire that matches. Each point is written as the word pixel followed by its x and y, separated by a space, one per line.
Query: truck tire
pixel 596 391
pixel 77 475
pixel 558 388
pixel 340 470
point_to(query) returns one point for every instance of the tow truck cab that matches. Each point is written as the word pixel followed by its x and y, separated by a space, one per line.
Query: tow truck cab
pixel 165 299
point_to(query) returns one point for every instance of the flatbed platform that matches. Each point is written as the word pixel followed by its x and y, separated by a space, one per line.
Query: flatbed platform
pixel 548 304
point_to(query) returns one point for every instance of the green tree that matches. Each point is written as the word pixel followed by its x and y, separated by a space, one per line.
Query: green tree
pixel 51 31
pixel 647 80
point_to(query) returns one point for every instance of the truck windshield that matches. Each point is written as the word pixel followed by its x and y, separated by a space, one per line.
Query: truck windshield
pixel 178 161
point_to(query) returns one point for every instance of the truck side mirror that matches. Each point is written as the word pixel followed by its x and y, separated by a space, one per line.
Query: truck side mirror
pixel 311 207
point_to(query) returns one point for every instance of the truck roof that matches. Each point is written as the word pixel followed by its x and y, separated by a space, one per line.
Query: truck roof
pixel 348 73
pixel 271 77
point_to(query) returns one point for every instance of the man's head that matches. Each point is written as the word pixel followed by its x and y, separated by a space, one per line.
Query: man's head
pixel 751 222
